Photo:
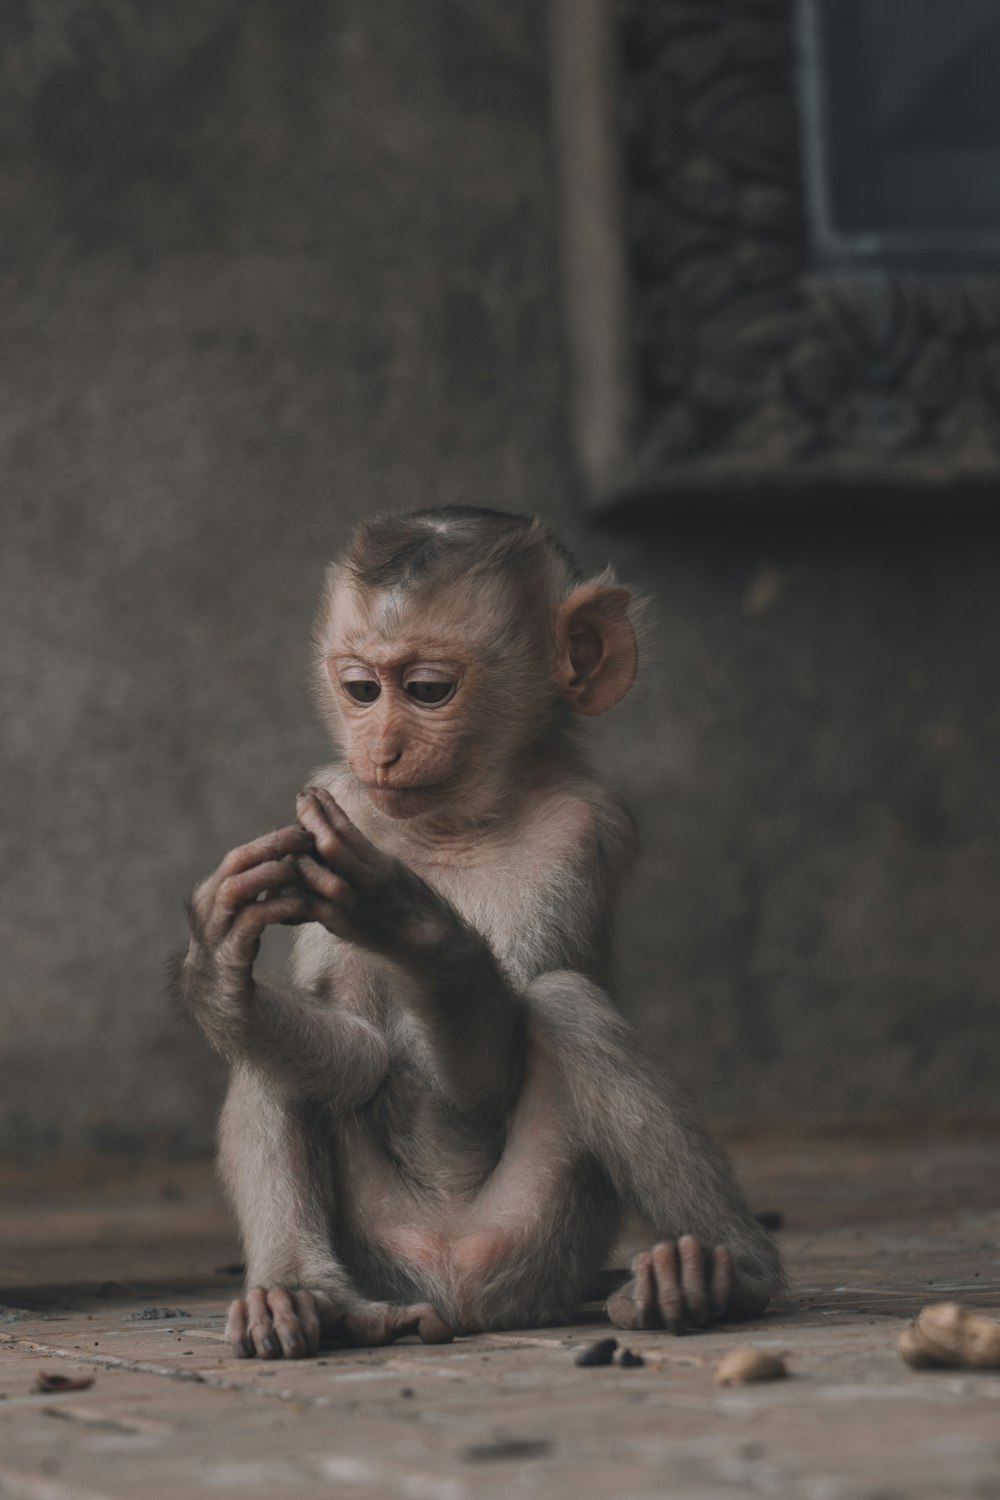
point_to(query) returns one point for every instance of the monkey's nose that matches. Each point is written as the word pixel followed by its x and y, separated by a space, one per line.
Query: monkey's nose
pixel 384 756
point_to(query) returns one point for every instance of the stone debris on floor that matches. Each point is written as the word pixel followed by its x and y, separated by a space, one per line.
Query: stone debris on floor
pixel 117 1281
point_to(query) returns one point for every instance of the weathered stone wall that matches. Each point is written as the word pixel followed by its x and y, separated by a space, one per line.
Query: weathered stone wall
pixel 267 268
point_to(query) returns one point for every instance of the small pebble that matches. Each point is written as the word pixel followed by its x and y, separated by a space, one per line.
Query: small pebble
pixel 747 1363
pixel 50 1383
pixel 630 1361
pixel 601 1353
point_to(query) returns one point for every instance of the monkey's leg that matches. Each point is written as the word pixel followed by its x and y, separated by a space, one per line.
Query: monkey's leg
pixel 546 1217
pixel 709 1258
pixel 276 1161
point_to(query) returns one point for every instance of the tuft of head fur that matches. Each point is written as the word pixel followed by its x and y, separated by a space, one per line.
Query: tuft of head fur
pixel 452 541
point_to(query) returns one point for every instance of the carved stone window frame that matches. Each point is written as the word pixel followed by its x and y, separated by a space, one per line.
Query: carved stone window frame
pixel 709 360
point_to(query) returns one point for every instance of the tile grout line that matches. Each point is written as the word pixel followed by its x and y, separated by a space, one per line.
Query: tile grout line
pixel 147 1367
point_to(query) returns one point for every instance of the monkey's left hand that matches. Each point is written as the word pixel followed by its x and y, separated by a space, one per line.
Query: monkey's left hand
pixel 366 896
pixel 679 1284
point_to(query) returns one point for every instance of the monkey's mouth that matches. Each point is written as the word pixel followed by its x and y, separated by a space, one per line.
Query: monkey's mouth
pixel 401 801
pixel 386 790
pixel 393 789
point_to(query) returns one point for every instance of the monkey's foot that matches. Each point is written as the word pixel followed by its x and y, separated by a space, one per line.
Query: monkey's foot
pixel 384 1322
pixel 677 1285
pixel 275 1322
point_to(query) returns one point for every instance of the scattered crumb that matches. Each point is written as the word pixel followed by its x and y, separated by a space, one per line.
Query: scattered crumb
pixel 946 1335
pixel 747 1363
pixel 630 1361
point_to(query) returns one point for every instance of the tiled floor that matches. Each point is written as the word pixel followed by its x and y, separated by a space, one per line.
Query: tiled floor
pixel 876 1226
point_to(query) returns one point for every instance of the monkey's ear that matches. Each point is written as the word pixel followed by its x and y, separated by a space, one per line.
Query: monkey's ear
pixel 597 651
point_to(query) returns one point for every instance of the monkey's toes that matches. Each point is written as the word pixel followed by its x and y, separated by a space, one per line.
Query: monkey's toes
pixel 675 1285
pixel 383 1323
pixel 271 1323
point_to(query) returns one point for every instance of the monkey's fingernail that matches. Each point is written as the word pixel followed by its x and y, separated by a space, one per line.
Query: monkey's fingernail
pixel 271 1346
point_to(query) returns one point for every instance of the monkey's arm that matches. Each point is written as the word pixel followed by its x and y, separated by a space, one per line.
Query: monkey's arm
pixel 446 973
pixel 313 1051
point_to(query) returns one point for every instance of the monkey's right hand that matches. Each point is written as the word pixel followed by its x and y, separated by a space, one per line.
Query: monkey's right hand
pixel 365 896
pixel 254 887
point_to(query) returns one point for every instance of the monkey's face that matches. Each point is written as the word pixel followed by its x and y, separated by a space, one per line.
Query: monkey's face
pixel 422 696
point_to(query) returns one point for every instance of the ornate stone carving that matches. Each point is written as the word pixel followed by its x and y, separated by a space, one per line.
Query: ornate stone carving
pixel 749 370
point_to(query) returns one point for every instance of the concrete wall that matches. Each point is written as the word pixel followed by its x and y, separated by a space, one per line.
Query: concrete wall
pixel 267 267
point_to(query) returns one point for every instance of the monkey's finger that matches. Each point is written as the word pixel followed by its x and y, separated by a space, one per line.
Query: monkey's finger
pixel 285 1320
pixel 271 846
pixel 236 1330
pixel 644 1292
pixel 308 1311
pixel 217 900
pixel 668 1289
pixel 693 1285
pixel 335 918
pixel 260 1330
pixel 330 843
pixel 324 882
pixel 353 844
pixel 622 1310
pixel 248 924
pixel 236 890
pixel 721 1278
pixel 338 819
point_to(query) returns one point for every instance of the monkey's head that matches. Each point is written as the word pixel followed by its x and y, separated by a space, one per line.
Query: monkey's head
pixel 452 643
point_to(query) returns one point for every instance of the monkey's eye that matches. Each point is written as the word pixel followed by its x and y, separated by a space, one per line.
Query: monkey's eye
pixel 363 689
pixel 430 694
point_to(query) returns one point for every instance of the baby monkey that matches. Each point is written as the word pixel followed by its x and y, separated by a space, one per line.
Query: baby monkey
pixel 440 1123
